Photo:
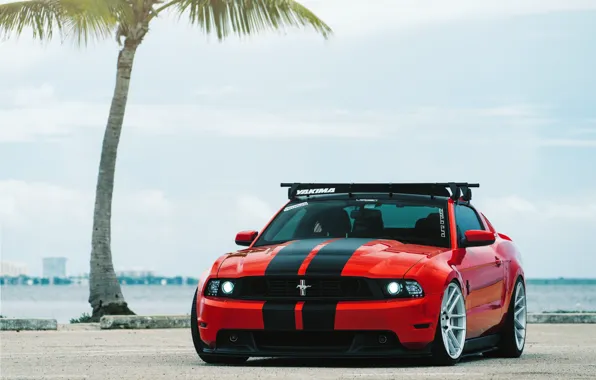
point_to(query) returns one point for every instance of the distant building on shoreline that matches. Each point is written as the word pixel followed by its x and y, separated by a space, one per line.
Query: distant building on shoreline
pixel 54 267
pixel 13 269
pixel 136 273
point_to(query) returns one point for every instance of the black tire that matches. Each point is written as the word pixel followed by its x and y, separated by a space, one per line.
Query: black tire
pixel 440 357
pixel 507 346
pixel 200 345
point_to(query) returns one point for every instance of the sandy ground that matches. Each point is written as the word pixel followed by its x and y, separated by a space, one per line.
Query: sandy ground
pixel 552 351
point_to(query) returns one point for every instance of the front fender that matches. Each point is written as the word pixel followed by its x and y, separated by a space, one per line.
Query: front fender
pixel 434 275
pixel 204 278
pixel 202 282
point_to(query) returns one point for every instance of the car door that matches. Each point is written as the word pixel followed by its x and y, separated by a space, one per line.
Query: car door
pixel 483 275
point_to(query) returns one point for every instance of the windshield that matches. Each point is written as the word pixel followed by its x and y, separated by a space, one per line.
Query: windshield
pixel 406 222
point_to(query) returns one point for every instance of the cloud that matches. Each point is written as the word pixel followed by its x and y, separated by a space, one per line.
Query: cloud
pixel 570 143
pixel 514 207
pixel 25 124
pixel 43 217
pixel 153 202
pixel 39 114
pixel 253 211
pixel 585 131
pixel 24 203
pixel 349 17
pixel 34 96
pixel 24 55
pixel 221 91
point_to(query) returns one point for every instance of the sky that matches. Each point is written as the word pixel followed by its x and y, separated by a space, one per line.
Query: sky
pixel 499 92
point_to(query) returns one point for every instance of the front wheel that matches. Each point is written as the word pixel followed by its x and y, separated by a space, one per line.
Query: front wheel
pixel 450 335
pixel 200 345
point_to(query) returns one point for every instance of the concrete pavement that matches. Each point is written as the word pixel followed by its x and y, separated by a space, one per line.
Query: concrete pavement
pixel 552 351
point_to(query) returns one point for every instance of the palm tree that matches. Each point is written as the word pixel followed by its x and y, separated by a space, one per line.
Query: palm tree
pixel 128 21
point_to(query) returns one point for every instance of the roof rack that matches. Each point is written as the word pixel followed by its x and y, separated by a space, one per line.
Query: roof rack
pixel 456 189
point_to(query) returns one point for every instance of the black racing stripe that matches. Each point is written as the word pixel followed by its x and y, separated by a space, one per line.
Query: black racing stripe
pixel 318 316
pixel 289 259
pixel 331 259
pixel 279 315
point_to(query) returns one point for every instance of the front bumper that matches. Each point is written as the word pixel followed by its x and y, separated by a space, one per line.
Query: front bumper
pixel 388 328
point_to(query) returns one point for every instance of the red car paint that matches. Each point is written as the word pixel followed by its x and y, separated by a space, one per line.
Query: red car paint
pixel 486 274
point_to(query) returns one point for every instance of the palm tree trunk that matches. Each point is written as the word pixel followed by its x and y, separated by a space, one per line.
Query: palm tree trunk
pixel 105 294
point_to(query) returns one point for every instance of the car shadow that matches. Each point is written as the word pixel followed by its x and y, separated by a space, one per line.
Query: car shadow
pixel 349 363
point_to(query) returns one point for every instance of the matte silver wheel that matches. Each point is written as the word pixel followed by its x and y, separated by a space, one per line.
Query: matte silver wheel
pixel 453 321
pixel 513 333
pixel 520 316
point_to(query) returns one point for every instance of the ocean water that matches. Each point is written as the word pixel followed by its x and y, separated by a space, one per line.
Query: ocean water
pixel 66 302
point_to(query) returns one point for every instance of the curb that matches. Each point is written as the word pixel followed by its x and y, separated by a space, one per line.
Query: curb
pixel 27 324
pixel 138 322
pixel 183 321
pixel 78 326
pixel 143 322
pixel 562 318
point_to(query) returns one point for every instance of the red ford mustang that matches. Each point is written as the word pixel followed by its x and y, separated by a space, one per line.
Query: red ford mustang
pixel 365 270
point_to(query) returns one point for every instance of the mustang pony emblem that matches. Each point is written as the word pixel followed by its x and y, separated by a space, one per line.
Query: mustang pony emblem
pixel 302 286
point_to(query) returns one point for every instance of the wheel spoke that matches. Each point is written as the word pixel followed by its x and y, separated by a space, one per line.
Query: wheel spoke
pixel 457 328
pixel 452 306
pixel 457 315
pixel 450 296
pixel 454 340
pixel 519 325
pixel 522 308
pixel 450 347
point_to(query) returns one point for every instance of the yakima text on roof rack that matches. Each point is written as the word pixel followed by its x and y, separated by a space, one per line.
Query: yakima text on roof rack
pixel 439 189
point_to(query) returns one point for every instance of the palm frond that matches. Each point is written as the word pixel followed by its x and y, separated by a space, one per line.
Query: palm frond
pixel 246 17
pixel 78 19
pixel 41 16
pixel 97 19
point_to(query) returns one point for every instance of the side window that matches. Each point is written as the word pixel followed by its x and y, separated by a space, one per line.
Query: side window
pixel 466 220
pixel 490 226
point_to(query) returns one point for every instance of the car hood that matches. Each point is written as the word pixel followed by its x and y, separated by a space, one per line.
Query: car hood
pixel 327 257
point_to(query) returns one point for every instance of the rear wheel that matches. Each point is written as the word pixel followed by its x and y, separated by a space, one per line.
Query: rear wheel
pixel 200 345
pixel 513 336
pixel 450 335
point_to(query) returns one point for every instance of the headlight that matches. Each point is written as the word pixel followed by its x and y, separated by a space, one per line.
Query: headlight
pixel 220 288
pixel 401 289
pixel 393 288
pixel 227 287
pixel 414 289
pixel 213 288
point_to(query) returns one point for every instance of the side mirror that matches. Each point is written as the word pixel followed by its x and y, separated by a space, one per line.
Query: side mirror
pixel 245 238
pixel 478 238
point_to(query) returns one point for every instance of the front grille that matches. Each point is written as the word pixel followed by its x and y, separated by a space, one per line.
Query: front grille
pixel 307 341
pixel 333 340
pixel 317 287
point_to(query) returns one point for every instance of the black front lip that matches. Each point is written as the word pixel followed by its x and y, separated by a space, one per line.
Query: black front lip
pixel 312 344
